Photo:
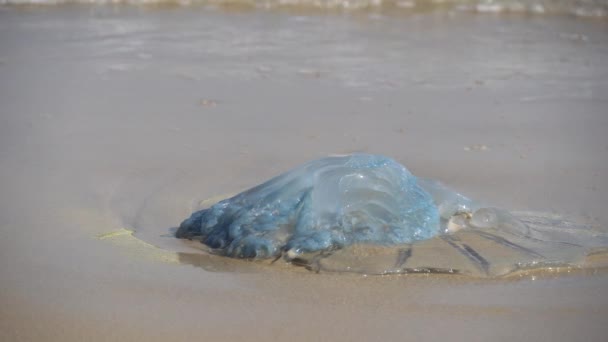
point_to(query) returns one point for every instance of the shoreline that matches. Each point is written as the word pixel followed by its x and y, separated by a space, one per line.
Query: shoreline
pixel 582 10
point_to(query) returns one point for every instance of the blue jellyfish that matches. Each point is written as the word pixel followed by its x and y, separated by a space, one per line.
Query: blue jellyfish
pixel 368 214
pixel 325 204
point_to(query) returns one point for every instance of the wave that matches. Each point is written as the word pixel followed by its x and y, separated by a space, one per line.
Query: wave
pixel 583 8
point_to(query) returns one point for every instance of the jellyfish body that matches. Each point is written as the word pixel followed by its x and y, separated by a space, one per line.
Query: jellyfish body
pixel 368 214
pixel 325 204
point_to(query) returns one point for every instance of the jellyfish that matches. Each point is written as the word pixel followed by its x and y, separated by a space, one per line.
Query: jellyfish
pixel 368 214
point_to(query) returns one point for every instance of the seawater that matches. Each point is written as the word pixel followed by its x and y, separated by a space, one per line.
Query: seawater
pixel 583 8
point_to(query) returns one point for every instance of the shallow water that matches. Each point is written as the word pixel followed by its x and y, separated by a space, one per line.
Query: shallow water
pixel 130 117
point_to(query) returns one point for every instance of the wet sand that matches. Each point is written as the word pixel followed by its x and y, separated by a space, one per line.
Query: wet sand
pixel 126 118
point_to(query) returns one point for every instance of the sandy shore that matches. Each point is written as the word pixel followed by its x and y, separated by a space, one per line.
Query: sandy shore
pixel 126 118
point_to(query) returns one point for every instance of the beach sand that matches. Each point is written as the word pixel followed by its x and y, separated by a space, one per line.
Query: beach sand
pixel 122 119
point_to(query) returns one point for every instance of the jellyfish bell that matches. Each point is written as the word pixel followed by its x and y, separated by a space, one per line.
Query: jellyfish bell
pixel 325 204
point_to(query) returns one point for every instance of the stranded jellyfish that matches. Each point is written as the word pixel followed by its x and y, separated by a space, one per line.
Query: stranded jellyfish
pixel 368 214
